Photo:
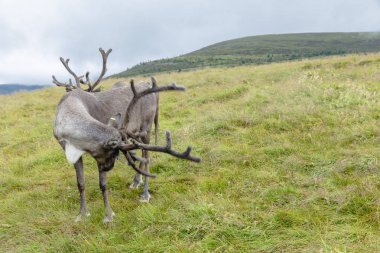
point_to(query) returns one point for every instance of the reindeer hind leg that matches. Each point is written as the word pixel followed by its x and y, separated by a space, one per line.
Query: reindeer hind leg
pixel 137 180
pixel 145 197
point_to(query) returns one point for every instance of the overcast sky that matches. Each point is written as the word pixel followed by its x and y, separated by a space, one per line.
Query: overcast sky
pixel 34 34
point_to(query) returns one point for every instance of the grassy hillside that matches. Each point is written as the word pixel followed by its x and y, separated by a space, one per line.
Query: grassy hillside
pixel 263 49
pixel 290 164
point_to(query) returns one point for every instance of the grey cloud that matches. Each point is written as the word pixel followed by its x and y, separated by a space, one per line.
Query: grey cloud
pixel 143 30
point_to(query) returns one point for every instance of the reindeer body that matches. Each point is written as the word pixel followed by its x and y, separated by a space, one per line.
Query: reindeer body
pixel 84 123
pixel 104 123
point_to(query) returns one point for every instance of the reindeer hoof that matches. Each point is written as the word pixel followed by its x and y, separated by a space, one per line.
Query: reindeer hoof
pixel 108 218
pixel 145 198
pixel 135 185
pixel 82 216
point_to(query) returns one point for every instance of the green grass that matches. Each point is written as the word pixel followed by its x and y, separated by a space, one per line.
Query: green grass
pixel 290 164
pixel 261 50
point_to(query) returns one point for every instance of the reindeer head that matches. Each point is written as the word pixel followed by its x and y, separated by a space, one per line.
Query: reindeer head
pixel 106 153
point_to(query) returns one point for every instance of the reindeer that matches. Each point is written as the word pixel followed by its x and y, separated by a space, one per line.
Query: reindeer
pixel 105 123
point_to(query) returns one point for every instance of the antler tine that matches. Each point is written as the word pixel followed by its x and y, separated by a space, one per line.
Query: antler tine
pixel 69 86
pixel 88 82
pixel 88 78
pixel 163 149
pixel 56 82
pixel 168 140
pixel 104 69
pixel 154 81
pixel 131 162
pixel 138 158
pixel 133 88
pixel 66 65
pixel 154 89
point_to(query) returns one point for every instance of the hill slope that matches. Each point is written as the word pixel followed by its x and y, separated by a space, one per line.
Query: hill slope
pixel 263 49
pixel 289 165
pixel 11 88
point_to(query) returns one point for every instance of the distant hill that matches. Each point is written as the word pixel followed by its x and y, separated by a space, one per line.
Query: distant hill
pixel 11 88
pixel 263 49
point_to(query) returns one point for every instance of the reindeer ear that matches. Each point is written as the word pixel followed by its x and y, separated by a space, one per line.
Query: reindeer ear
pixel 115 121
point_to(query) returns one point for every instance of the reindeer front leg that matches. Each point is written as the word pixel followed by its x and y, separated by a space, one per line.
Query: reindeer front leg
pixel 109 214
pixel 80 181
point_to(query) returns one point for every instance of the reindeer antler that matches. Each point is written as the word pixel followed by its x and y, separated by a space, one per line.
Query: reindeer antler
pixel 79 79
pixel 69 86
pixel 88 82
pixel 104 68
pixel 127 147
pixel 66 65
pixel 131 159
pixel 138 95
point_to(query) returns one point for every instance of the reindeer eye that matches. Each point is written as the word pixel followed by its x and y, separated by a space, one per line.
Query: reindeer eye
pixel 112 143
